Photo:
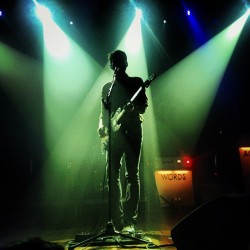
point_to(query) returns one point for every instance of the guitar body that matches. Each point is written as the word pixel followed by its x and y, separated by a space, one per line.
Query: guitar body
pixel 115 119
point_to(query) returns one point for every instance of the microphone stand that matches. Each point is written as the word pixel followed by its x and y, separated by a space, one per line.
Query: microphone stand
pixel 107 105
pixel 109 231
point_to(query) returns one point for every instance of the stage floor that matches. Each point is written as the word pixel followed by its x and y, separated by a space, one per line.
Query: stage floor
pixel 153 231
pixel 69 237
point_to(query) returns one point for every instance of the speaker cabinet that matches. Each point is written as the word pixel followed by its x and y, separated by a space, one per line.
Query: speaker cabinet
pixel 222 223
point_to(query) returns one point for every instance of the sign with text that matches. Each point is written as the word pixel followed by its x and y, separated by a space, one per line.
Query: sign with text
pixel 175 187
pixel 245 165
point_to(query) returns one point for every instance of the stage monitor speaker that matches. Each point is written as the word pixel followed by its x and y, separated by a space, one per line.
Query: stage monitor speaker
pixel 222 223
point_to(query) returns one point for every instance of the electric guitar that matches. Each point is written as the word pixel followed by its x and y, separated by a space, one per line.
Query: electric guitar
pixel 120 111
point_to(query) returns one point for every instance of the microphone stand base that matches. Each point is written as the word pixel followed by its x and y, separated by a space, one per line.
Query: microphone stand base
pixel 109 236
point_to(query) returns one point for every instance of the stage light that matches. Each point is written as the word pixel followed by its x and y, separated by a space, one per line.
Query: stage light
pixel 55 40
pixel 247 6
pixel 133 38
pixel 42 12
pixel 186 161
pixel 1 13
pixel 138 13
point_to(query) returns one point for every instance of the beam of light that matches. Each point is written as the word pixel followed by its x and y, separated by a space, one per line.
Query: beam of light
pixel 68 119
pixel 70 113
pixel 137 65
pixel 69 73
pixel 234 30
pixel 186 92
pixel 43 13
pixel 72 91
pixel 161 49
pixel 134 57
pixel 138 13
pixel 55 40
pixel 21 80
pixel 132 44
pixel 133 38
pixel 247 6
pixel 200 37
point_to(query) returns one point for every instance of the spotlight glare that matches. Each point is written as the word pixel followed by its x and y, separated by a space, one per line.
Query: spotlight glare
pixel 138 13
pixel 43 13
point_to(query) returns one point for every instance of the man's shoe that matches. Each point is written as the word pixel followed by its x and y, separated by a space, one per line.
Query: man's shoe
pixel 130 229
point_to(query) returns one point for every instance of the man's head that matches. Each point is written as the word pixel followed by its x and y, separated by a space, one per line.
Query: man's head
pixel 118 59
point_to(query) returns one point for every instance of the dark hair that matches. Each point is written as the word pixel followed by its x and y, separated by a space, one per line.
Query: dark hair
pixel 118 58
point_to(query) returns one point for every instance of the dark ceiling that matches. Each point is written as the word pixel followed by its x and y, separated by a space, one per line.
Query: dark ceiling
pixel 101 23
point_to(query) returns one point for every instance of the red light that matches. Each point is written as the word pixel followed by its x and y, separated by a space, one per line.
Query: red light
pixel 187 161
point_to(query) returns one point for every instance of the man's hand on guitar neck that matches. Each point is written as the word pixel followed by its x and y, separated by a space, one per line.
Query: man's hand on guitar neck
pixel 129 107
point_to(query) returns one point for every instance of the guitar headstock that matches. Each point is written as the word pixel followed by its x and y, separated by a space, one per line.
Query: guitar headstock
pixel 149 80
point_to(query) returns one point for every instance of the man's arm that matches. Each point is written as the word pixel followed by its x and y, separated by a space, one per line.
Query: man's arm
pixel 102 130
pixel 141 102
pixel 103 119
